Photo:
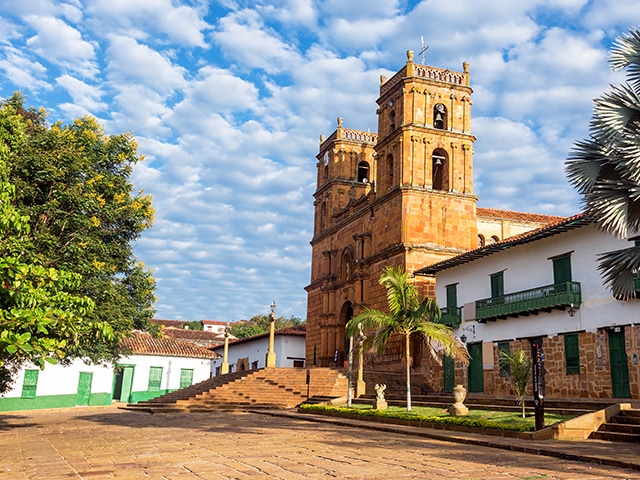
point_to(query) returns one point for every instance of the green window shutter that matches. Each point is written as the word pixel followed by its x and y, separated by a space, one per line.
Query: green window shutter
pixel 155 379
pixel 186 377
pixel 505 369
pixel 30 383
pixel 497 284
pixel 572 353
pixel 562 269
pixel 452 296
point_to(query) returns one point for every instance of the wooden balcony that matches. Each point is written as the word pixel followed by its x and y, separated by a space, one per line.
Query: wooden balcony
pixel 451 316
pixel 529 302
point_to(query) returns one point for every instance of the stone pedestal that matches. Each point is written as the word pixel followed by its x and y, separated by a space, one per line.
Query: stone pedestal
pixel 379 404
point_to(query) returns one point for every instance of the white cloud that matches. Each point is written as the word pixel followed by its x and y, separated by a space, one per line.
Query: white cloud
pixel 83 94
pixel 62 44
pixel 148 19
pixel 132 63
pixel 250 44
pixel 22 71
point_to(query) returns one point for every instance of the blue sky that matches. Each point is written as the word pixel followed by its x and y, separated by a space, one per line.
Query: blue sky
pixel 228 99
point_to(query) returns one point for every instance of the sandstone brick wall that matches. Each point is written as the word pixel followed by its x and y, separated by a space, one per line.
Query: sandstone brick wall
pixel 594 379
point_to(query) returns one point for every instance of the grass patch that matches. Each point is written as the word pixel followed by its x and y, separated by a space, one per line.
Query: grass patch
pixel 499 420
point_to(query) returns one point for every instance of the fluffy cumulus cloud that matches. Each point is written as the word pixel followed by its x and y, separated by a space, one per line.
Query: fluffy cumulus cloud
pixel 228 99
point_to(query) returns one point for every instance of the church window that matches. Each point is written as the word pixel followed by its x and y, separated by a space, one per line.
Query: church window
pixel 323 215
pixel 439 169
pixel 439 116
pixel 363 172
pixel 345 266
pixel 390 165
pixel 392 120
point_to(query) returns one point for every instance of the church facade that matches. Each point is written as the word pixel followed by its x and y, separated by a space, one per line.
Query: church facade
pixel 403 196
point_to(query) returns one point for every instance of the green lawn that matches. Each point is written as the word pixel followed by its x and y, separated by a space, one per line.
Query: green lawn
pixel 476 418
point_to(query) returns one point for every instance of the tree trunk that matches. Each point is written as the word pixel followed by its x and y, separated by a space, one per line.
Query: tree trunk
pixel 407 342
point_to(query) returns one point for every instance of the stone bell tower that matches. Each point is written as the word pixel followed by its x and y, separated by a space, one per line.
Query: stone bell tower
pixel 401 197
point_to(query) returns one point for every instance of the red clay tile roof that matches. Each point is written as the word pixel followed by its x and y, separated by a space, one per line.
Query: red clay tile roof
pixel 213 322
pixel 518 216
pixel 144 344
pixel 169 323
pixel 566 223
pixel 298 330
pixel 182 334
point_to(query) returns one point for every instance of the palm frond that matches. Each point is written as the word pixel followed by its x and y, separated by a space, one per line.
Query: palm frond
pixel 379 326
pixel 617 268
pixel 401 295
pixel 608 201
pixel 585 163
pixel 614 112
pixel 626 53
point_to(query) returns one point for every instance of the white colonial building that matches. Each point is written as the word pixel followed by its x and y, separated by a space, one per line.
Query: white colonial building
pixel 155 367
pixel 250 353
pixel 541 286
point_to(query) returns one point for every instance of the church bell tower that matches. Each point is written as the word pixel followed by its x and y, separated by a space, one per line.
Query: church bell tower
pixel 401 197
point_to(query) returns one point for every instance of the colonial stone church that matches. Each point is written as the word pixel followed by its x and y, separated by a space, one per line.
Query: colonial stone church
pixel 403 196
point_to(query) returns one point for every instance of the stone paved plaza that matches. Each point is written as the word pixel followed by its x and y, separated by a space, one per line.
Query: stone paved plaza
pixel 105 442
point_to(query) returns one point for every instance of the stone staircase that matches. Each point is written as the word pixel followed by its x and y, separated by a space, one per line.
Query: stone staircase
pixel 263 388
pixel 623 427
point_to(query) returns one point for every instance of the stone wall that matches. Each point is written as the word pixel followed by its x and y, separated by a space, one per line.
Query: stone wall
pixel 594 379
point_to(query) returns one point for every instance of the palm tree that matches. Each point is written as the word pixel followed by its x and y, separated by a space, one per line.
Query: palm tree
pixel 408 315
pixel 519 365
pixel 605 169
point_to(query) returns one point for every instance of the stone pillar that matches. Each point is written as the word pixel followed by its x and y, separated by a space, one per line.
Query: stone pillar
pixel 271 354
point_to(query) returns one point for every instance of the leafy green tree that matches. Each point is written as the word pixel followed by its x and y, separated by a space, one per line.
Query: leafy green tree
pixel 605 168
pixel 408 316
pixel 40 314
pixel 519 366
pixel 261 324
pixel 72 184
pixel 193 325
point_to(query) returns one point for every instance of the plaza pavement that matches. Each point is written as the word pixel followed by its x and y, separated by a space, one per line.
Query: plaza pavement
pixel 106 442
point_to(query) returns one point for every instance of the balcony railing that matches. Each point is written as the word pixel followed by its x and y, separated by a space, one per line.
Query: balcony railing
pixel 451 316
pixel 527 302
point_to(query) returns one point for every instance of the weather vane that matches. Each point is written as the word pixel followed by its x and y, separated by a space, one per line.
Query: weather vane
pixel 423 49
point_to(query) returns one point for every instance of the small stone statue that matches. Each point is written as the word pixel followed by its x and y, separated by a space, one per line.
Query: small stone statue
pixel 380 403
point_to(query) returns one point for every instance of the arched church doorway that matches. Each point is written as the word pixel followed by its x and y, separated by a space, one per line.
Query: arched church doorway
pixel 342 342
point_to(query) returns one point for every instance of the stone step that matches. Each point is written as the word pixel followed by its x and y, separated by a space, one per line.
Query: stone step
pixel 265 388
pixel 613 426
pixel 615 436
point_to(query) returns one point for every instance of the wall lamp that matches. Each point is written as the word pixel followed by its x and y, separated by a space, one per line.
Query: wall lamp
pixel 468 328
pixel 571 311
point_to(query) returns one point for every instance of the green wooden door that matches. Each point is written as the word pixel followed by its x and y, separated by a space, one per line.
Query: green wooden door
pixel 83 395
pixel 562 269
pixel 619 366
pixel 186 377
pixel 123 383
pixel 452 296
pixel 497 284
pixel 476 374
pixel 30 383
pixel 448 366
